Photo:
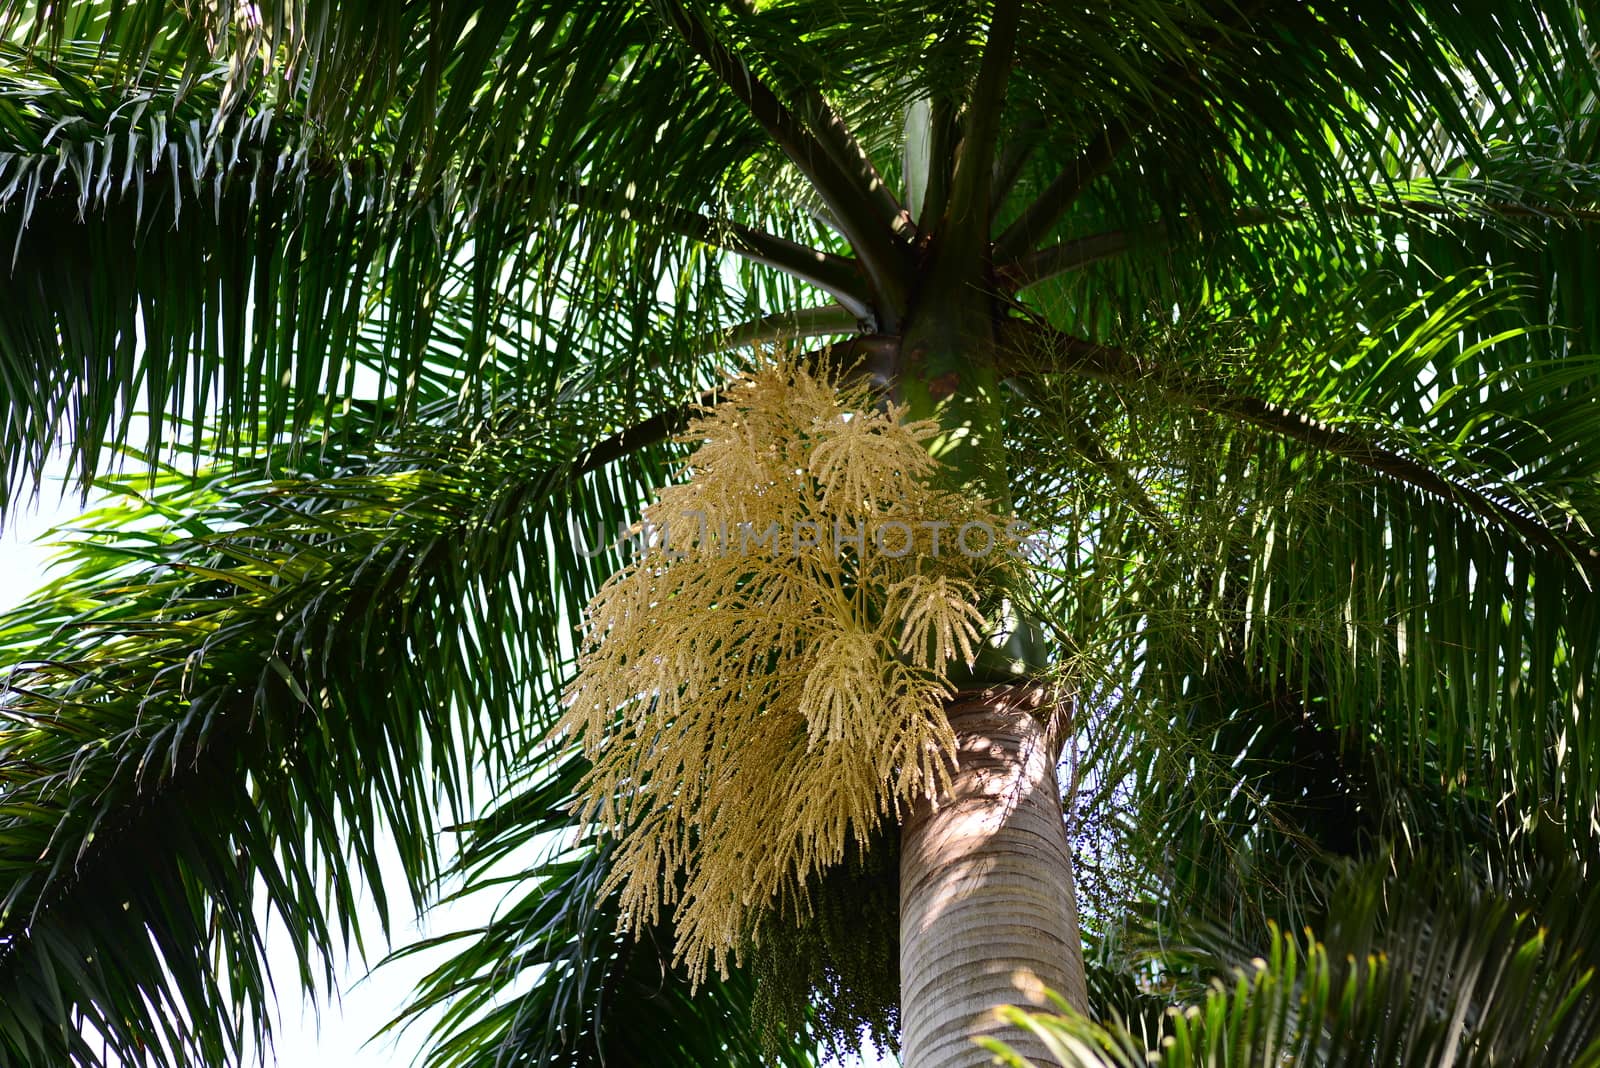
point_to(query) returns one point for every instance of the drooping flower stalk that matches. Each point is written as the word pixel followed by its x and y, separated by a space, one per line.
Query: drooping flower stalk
pixel 766 682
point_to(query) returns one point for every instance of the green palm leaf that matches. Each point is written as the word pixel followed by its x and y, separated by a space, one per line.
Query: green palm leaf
pixel 1413 972
pixel 303 676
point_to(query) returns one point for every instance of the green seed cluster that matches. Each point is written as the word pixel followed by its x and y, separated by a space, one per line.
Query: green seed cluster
pixel 829 965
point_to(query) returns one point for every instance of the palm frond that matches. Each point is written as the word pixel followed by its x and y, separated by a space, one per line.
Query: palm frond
pixel 550 978
pixel 280 276
pixel 234 709
pixel 1415 972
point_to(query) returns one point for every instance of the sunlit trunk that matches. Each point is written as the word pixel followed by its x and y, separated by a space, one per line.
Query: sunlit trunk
pixel 987 912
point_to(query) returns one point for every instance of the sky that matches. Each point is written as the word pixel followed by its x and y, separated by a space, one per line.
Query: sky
pixel 341 1030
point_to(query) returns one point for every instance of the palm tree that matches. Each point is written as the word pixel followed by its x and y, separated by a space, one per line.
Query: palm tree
pixel 1271 318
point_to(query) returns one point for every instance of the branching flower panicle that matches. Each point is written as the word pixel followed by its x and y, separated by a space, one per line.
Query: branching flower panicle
pixel 767 683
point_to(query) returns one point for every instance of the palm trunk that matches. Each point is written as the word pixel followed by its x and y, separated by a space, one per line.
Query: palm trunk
pixel 987 912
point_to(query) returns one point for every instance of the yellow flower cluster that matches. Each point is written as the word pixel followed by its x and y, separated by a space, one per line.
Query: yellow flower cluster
pixel 749 713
